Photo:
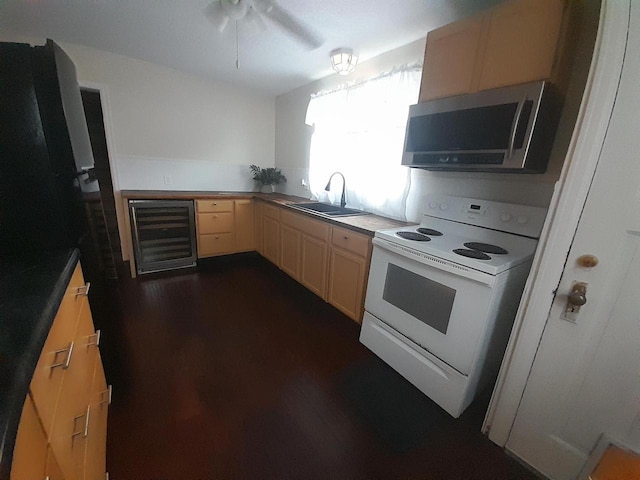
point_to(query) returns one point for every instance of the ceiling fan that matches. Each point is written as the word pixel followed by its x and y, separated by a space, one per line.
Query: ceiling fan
pixel 250 14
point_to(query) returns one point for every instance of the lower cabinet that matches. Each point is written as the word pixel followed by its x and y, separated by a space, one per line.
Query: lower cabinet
pixel 290 247
pixel 331 261
pixel 348 274
pixel 63 428
pixel 314 265
pixel 31 450
pixel 271 233
pixel 224 226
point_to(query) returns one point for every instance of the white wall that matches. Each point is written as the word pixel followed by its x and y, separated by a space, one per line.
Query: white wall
pixel 165 122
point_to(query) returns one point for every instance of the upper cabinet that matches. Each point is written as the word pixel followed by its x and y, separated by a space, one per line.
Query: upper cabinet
pixel 515 42
pixel 450 59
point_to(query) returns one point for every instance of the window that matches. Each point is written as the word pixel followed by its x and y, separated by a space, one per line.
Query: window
pixel 359 131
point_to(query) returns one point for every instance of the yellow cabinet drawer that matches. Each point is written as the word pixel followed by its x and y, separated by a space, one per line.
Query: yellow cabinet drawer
pixel 215 244
pixel 309 226
pixel 351 241
pixel 70 422
pixel 207 206
pixel 58 351
pixel 215 223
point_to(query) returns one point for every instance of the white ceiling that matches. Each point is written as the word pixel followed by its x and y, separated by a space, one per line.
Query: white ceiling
pixel 175 33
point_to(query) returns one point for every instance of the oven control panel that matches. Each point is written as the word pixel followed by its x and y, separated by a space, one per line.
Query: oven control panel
pixel 506 217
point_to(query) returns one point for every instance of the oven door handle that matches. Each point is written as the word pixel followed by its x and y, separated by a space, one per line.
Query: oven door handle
pixel 435 262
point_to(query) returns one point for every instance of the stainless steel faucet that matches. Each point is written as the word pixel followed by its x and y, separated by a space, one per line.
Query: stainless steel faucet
pixel 343 201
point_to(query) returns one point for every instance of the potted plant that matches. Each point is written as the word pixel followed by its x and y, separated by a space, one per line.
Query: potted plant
pixel 267 177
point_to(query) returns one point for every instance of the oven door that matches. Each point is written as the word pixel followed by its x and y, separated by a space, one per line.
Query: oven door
pixel 441 306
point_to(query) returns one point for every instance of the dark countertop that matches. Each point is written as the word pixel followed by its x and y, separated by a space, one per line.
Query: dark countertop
pixel 31 289
pixel 366 224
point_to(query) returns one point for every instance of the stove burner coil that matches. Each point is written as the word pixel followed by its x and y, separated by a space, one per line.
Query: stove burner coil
pixel 486 248
pixel 472 254
pixel 413 236
pixel 430 231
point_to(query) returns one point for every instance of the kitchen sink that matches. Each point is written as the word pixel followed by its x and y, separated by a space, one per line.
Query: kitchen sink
pixel 328 209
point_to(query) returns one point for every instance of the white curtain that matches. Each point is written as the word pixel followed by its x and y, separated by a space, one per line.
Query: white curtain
pixel 359 131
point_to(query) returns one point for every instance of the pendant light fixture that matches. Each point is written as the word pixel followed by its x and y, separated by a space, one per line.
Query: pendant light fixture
pixel 343 60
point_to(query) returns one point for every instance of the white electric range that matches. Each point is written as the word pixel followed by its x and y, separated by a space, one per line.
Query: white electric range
pixel 442 295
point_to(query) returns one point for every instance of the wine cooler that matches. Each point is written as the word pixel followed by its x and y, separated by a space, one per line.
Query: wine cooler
pixel 164 234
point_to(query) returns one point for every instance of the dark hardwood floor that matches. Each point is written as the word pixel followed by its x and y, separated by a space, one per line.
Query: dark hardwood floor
pixel 234 371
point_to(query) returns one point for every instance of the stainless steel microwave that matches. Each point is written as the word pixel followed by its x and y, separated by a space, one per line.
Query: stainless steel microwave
pixel 509 129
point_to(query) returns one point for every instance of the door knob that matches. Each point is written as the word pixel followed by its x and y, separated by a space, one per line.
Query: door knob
pixel 578 294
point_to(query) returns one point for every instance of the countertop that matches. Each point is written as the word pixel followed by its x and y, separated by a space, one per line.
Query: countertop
pixel 366 224
pixel 31 290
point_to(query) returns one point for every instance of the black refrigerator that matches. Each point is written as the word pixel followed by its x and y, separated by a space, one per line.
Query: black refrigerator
pixel 45 156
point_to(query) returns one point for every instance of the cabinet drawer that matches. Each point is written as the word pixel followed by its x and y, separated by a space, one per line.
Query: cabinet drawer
pixel 215 223
pixel 206 206
pixel 67 437
pixel 271 212
pixel 50 368
pixel 215 244
pixel 350 241
pixel 309 226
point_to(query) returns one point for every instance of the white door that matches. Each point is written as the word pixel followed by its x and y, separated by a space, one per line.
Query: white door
pixel 585 379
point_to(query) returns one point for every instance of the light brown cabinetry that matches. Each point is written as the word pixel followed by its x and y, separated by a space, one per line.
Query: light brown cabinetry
pixel 244 230
pixel 257 227
pixel 290 248
pixel 271 233
pixel 30 452
pixel 512 43
pixel 331 261
pixel 224 226
pixel 348 271
pixel 304 250
pixel 450 59
pixel 61 394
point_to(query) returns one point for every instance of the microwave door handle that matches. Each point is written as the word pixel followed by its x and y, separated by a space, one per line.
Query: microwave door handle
pixel 514 127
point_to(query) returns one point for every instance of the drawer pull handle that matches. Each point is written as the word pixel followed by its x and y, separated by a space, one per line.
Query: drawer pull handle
pixel 96 342
pixel 215 216
pixel 85 431
pixel 67 360
pixel 346 238
pixel 83 290
pixel 214 204
pixel 108 393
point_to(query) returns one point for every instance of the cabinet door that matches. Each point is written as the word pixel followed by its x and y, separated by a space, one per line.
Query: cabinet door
pixel 30 451
pixel 290 251
pixel 271 239
pixel 347 277
pixel 96 450
pixel 53 469
pixel 521 42
pixel 450 59
pixel 51 366
pixel 314 265
pixel 70 424
pixel 258 227
pixel 245 241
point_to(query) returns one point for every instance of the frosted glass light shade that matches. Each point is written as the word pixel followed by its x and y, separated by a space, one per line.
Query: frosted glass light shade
pixel 343 60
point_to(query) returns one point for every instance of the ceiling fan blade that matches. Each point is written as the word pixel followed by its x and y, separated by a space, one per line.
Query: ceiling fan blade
pixel 293 26
pixel 215 14
pixel 253 23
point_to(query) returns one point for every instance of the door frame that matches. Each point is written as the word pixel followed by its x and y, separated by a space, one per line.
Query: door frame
pixel 103 90
pixel 567 204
